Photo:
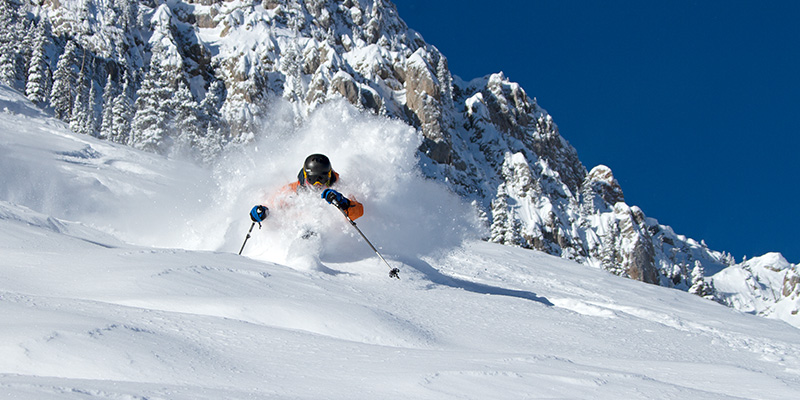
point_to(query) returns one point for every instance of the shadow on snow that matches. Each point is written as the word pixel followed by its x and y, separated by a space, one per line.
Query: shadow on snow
pixel 441 279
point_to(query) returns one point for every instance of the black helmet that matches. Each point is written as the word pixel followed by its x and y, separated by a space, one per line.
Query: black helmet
pixel 317 170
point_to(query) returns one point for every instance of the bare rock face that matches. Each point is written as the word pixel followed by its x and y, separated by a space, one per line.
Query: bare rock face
pixel 638 254
pixel 424 103
pixel 345 85
pixel 600 182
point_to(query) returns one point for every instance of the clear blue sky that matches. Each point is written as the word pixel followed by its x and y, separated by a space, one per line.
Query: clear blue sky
pixel 695 105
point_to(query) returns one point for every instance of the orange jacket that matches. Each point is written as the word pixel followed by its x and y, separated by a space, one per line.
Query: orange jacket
pixel 356 209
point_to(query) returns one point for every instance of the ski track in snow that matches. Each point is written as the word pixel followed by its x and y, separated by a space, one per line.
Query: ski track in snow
pixel 92 310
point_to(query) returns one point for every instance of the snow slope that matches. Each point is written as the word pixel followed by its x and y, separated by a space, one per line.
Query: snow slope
pixel 119 280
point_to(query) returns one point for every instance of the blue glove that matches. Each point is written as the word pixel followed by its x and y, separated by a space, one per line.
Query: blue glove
pixel 259 213
pixel 336 198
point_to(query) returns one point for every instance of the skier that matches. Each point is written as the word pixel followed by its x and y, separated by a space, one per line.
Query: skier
pixel 316 175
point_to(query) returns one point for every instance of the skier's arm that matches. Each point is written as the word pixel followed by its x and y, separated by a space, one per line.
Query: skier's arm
pixel 355 211
pixel 352 208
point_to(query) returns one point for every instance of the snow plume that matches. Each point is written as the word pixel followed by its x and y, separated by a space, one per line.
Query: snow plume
pixel 376 158
pixel 149 200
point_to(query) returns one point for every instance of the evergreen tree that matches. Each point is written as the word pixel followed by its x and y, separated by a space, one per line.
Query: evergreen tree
pixel 94 115
pixel 155 106
pixel 212 103
pixel 700 286
pixel 210 144
pixel 505 228
pixel 150 126
pixel 196 134
pixel 110 93
pixel 445 80
pixel 37 89
pixel 63 93
pixel 609 249
pixel 12 34
pixel 7 14
pixel 291 67
pixel 122 114
pixel 127 13
pixel 186 124
pixel 728 258
pixel 211 107
pixel 27 41
pixel 8 68
pixel 81 116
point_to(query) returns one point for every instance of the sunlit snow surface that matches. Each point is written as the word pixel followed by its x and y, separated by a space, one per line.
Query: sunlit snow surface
pixel 119 279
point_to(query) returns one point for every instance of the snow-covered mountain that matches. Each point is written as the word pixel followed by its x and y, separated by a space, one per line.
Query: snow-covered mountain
pixel 91 309
pixel 766 285
pixel 201 78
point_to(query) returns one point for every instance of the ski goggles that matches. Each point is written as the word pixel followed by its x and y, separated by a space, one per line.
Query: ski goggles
pixel 318 179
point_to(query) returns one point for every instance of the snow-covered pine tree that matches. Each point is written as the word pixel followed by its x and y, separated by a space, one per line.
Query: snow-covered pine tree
pixel 150 127
pixel 210 144
pixel 291 64
pixel 8 14
pixel 95 112
pixel 126 13
pixel 82 115
pixel 216 131
pixel 121 114
pixel 8 68
pixel 12 31
pixel 609 253
pixel 504 228
pixel 65 77
pixel 700 286
pixel 110 92
pixel 37 88
pixel 185 123
pixel 28 38
pixel 211 106
pixel 9 71
pixel 445 80
pixel 499 216
pixel 728 258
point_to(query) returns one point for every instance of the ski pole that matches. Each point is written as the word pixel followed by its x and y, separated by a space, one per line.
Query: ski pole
pixel 247 237
pixel 257 214
pixel 393 272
